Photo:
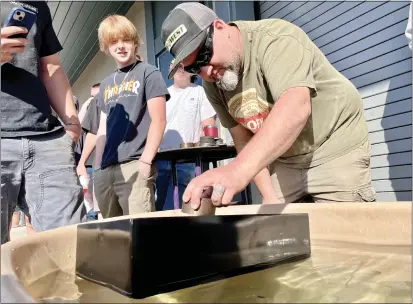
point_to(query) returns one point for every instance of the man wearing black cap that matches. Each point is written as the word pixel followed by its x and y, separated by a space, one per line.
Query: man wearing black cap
pixel 297 123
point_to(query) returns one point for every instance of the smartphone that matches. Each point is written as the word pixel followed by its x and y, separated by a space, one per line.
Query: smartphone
pixel 23 18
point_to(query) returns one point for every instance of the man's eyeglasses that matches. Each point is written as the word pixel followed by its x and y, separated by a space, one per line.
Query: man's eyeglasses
pixel 204 55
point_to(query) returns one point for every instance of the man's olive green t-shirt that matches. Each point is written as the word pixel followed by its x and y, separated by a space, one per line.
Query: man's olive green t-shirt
pixel 278 56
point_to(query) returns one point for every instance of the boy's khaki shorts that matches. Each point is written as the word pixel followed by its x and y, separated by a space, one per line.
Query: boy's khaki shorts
pixel 121 190
pixel 344 179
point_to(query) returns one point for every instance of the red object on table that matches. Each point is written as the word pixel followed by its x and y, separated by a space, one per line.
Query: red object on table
pixel 211 130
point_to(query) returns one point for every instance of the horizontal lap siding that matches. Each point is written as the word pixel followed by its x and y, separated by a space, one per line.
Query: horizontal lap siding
pixel 365 41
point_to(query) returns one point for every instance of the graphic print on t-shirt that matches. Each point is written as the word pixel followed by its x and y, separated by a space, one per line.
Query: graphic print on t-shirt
pixel 249 109
pixel 125 102
pixel 126 89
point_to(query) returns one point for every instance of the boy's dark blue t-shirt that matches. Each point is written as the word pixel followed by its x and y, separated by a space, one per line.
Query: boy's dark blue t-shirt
pixel 123 98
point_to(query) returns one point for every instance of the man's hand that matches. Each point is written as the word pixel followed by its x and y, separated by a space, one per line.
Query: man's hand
pixel 144 169
pixel 73 130
pixel 225 181
pixel 11 46
pixel 241 137
pixel 81 169
pixel 60 95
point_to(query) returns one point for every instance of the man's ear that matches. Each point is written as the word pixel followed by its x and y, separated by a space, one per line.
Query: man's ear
pixel 219 24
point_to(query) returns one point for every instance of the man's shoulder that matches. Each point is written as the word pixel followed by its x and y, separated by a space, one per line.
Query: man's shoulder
pixel 209 85
pixel 34 6
pixel 171 89
pixel 107 79
pixel 262 25
pixel 195 86
pixel 195 90
pixel 268 30
pixel 95 102
pixel 198 88
pixel 212 91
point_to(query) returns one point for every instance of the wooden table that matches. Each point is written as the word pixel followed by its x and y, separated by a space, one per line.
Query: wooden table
pixel 202 157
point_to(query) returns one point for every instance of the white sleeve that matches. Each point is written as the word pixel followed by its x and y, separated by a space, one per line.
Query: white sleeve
pixel 207 111
pixel 409 26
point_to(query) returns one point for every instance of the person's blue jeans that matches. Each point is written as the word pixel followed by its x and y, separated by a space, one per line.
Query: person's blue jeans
pixel 38 173
pixel 164 194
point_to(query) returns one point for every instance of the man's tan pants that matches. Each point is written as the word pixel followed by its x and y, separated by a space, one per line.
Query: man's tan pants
pixel 121 190
pixel 344 179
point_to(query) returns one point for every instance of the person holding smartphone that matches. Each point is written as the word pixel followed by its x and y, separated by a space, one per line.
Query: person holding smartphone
pixel 37 151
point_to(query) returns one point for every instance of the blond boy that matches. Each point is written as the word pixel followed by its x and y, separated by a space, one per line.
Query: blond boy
pixel 132 100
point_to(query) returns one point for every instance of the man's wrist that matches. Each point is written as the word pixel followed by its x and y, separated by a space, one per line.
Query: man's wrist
pixel 243 168
pixel 77 124
pixel 145 162
pixel 73 120
pixel 146 159
pixel 74 131
pixel 74 128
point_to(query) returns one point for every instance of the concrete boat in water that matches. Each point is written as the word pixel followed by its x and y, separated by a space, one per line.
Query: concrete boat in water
pixel 360 252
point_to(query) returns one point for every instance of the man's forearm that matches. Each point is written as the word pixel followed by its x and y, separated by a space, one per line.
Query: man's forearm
pixel 154 139
pixel 262 180
pixel 58 89
pixel 90 144
pixel 283 125
pixel 100 147
pixel 100 140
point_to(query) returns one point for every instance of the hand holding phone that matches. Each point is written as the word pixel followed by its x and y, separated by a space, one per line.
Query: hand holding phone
pixel 11 46
pixel 14 33
pixel 22 18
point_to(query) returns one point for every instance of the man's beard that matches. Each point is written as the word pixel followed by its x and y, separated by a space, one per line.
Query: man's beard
pixel 229 81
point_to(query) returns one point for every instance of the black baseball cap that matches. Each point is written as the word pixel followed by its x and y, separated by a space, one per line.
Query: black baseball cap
pixel 185 29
